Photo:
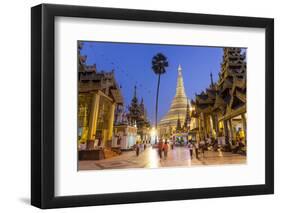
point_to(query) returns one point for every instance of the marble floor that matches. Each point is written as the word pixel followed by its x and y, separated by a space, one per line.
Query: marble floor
pixel 177 157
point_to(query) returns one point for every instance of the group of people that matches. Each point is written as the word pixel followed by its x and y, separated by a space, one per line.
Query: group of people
pixel 193 147
pixel 198 147
pixel 163 147
pixel 140 147
pixel 226 145
pixel 239 147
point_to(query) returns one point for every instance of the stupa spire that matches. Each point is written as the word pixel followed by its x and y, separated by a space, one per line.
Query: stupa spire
pixel 135 91
pixel 211 77
pixel 180 86
pixel 179 68
pixel 177 109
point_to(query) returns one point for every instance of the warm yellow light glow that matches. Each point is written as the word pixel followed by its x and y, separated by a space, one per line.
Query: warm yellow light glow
pixel 153 132
pixel 241 134
pixel 220 125
pixel 153 159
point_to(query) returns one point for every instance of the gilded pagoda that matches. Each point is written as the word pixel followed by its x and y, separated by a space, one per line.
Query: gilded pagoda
pixel 177 118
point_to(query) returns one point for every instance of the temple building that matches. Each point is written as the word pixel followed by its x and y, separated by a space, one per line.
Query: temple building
pixel 137 116
pixel 98 96
pixel 220 110
pixel 132 125
pixel 177 118
pixel 125 133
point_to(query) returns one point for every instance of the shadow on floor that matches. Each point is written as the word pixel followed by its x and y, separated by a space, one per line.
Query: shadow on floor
pixel 25 200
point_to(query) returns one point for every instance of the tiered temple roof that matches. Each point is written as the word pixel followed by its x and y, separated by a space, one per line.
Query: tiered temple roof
pixel 137 114
pixel 89 79
pixel 229 93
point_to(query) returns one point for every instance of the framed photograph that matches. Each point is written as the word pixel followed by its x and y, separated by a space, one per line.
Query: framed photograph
pixel 136 106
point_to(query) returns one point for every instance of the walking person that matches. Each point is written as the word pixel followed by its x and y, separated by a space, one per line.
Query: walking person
pixel 209 142
pixel 202 147
pixel 137 149
pixel 172 145
pixel 165 149
pixel 160 148
pixel 142 146
pixel 196 149
pixel 188 152
pixel 190 147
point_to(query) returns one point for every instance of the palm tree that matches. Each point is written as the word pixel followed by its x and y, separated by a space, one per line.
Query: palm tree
pixel 159 64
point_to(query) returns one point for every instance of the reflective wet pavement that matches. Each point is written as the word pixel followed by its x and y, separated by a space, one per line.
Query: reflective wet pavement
pixel 179 156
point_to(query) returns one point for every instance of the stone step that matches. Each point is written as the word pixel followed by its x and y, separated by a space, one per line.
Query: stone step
pixel 108 153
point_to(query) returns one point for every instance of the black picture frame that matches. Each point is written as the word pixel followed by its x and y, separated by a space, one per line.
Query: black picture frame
pixel 43 105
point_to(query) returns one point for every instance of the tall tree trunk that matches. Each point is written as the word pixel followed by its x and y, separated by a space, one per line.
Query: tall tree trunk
pixel 157 95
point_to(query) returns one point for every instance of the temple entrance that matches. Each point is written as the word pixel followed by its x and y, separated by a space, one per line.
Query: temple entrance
pixel 83 119
pixel 103 121
pixel 238 129
pixel 180 138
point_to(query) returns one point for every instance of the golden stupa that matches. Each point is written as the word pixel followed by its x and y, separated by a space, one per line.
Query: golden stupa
pixel 177 109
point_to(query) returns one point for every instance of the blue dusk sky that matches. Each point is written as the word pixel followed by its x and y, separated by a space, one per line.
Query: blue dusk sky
pixel 132 66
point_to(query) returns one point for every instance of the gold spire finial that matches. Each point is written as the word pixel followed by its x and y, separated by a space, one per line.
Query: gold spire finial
pixel 179 69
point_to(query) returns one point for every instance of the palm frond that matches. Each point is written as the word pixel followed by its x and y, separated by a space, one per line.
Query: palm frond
pixel 159 63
